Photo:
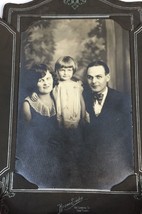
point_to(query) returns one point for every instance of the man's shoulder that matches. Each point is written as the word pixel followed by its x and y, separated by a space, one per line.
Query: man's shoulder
pixel 117 94
pixel 119 97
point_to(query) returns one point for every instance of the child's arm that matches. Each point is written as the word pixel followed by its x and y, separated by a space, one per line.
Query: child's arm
pixel 84 114
pixel 83 108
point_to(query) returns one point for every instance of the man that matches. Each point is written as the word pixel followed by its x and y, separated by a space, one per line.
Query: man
pixel 108 154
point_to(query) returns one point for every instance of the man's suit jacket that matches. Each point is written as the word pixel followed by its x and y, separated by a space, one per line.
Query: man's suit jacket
pixel 108 155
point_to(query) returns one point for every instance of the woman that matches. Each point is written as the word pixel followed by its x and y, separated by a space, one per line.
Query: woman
pixel 37 149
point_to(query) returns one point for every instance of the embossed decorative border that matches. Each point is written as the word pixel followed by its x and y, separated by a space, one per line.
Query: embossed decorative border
pixel 74 3
pixel 71 16
pixel 11 97
pixel 139 30
pixel 5 193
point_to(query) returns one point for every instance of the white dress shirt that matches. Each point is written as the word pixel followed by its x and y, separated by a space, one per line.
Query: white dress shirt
pixel 98 107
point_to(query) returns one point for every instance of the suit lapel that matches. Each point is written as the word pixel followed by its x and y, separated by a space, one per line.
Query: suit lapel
pixel 107 104
pixel 89 104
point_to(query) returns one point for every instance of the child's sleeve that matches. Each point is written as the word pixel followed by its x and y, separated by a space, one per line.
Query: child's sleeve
pixel 80 86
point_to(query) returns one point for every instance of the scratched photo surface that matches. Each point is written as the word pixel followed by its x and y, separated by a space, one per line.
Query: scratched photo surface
pixel 66 137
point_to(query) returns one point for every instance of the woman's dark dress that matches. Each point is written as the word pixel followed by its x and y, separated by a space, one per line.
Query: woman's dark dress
pixel 37 150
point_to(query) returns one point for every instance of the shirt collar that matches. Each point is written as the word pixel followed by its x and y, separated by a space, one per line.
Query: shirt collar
pixel 104 95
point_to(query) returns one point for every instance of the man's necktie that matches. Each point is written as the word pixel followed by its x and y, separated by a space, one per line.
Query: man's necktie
pixel 98 97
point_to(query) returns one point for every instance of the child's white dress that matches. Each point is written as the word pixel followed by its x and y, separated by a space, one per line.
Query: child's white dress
pixel 67 96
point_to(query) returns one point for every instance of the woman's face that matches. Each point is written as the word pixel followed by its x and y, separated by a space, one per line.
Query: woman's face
pixel 45 84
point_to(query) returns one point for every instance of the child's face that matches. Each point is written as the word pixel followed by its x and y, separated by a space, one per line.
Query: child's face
pixel 65 73
pixel 45 84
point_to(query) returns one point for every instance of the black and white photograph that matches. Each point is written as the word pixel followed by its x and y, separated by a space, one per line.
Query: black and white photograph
pixel 71 100
pixel 74 126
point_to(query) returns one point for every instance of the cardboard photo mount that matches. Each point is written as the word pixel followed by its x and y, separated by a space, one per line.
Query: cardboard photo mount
pixel 16 20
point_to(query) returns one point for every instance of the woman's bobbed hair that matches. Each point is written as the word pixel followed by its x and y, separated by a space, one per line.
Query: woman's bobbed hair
pixel 39 71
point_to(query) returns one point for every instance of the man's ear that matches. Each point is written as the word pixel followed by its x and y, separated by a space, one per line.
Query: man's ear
pixel 108 77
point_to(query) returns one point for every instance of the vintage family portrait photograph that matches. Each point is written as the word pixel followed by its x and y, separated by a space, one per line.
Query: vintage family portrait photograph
pixel 75 123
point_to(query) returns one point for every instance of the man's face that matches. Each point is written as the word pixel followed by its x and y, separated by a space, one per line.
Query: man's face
pixel 97 79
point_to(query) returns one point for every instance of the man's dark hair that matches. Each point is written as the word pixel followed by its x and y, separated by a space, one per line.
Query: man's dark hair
pixel 98 63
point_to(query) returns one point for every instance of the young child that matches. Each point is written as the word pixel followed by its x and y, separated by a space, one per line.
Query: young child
pixel 69 101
